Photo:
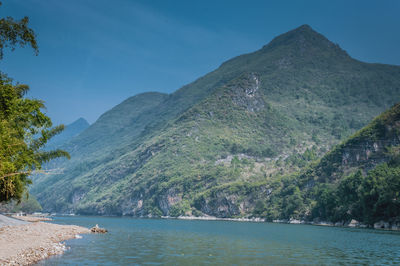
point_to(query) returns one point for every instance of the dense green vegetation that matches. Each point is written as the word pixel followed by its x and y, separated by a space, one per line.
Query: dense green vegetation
pixel 372 192
pixel 369 199
pixel 229 144
pixel 24 128
pixel 359 179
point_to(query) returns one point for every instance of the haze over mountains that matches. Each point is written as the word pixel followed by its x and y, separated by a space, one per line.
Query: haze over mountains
pixel 215 146
pixel 70 131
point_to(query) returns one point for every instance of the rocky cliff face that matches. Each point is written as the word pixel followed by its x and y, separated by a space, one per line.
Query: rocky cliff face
pixel 247 94
pixel 368 154
pixel 226 202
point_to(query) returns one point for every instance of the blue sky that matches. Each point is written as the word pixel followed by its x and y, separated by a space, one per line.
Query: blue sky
pixel 93 54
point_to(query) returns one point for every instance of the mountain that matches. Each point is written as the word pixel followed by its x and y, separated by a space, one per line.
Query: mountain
pixel 221 145
pixel 119 126
pixel 358 179
pixel 70 131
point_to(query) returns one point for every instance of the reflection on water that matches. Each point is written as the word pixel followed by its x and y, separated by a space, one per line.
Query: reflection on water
pixel 182 242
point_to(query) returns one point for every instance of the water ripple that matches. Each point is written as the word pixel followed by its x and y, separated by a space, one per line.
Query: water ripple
pixel 177 242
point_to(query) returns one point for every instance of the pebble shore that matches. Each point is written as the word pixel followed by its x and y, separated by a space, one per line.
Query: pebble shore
pixel 26 244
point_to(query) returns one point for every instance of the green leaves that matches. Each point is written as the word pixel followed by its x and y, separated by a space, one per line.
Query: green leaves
pixel 16 33
pixel 24 130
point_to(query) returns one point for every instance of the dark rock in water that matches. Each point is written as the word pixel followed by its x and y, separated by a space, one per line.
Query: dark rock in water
pixel 97 229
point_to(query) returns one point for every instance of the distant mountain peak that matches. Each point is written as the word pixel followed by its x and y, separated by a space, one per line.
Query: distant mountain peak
pixel 305 27
pixel 80 121
pixel 302 33
pixel 304 41
pixel 70 131
pixel 307 31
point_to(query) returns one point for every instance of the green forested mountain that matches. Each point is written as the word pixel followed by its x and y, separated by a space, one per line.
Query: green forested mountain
pixel 358 179
pixel 223 144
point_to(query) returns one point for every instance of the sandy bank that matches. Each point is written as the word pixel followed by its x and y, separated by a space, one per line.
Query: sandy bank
pixel 31 218
pixel 28 243
pixel 7 221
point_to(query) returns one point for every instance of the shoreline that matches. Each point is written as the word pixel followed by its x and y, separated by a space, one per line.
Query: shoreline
pixel 352 224
pixel 31 218
pixel 381 225
pixel 27 244
pixel 213 218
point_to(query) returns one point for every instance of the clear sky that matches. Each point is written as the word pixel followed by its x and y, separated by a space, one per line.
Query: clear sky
pixel 93 54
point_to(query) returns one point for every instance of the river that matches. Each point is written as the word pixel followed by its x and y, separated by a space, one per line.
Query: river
pixel 188 242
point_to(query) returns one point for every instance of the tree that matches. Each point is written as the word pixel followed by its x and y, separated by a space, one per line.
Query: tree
pixel 381 193
pixel 16 32
pixel 24 128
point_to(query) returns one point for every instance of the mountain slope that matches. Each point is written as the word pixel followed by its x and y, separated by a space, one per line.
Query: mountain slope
pixel 120 125
pixel 216 146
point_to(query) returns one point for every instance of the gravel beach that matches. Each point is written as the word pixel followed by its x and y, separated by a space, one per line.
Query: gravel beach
pixel 23 243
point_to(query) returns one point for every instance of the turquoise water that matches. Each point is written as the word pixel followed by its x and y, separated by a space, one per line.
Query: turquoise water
pixel 181 242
